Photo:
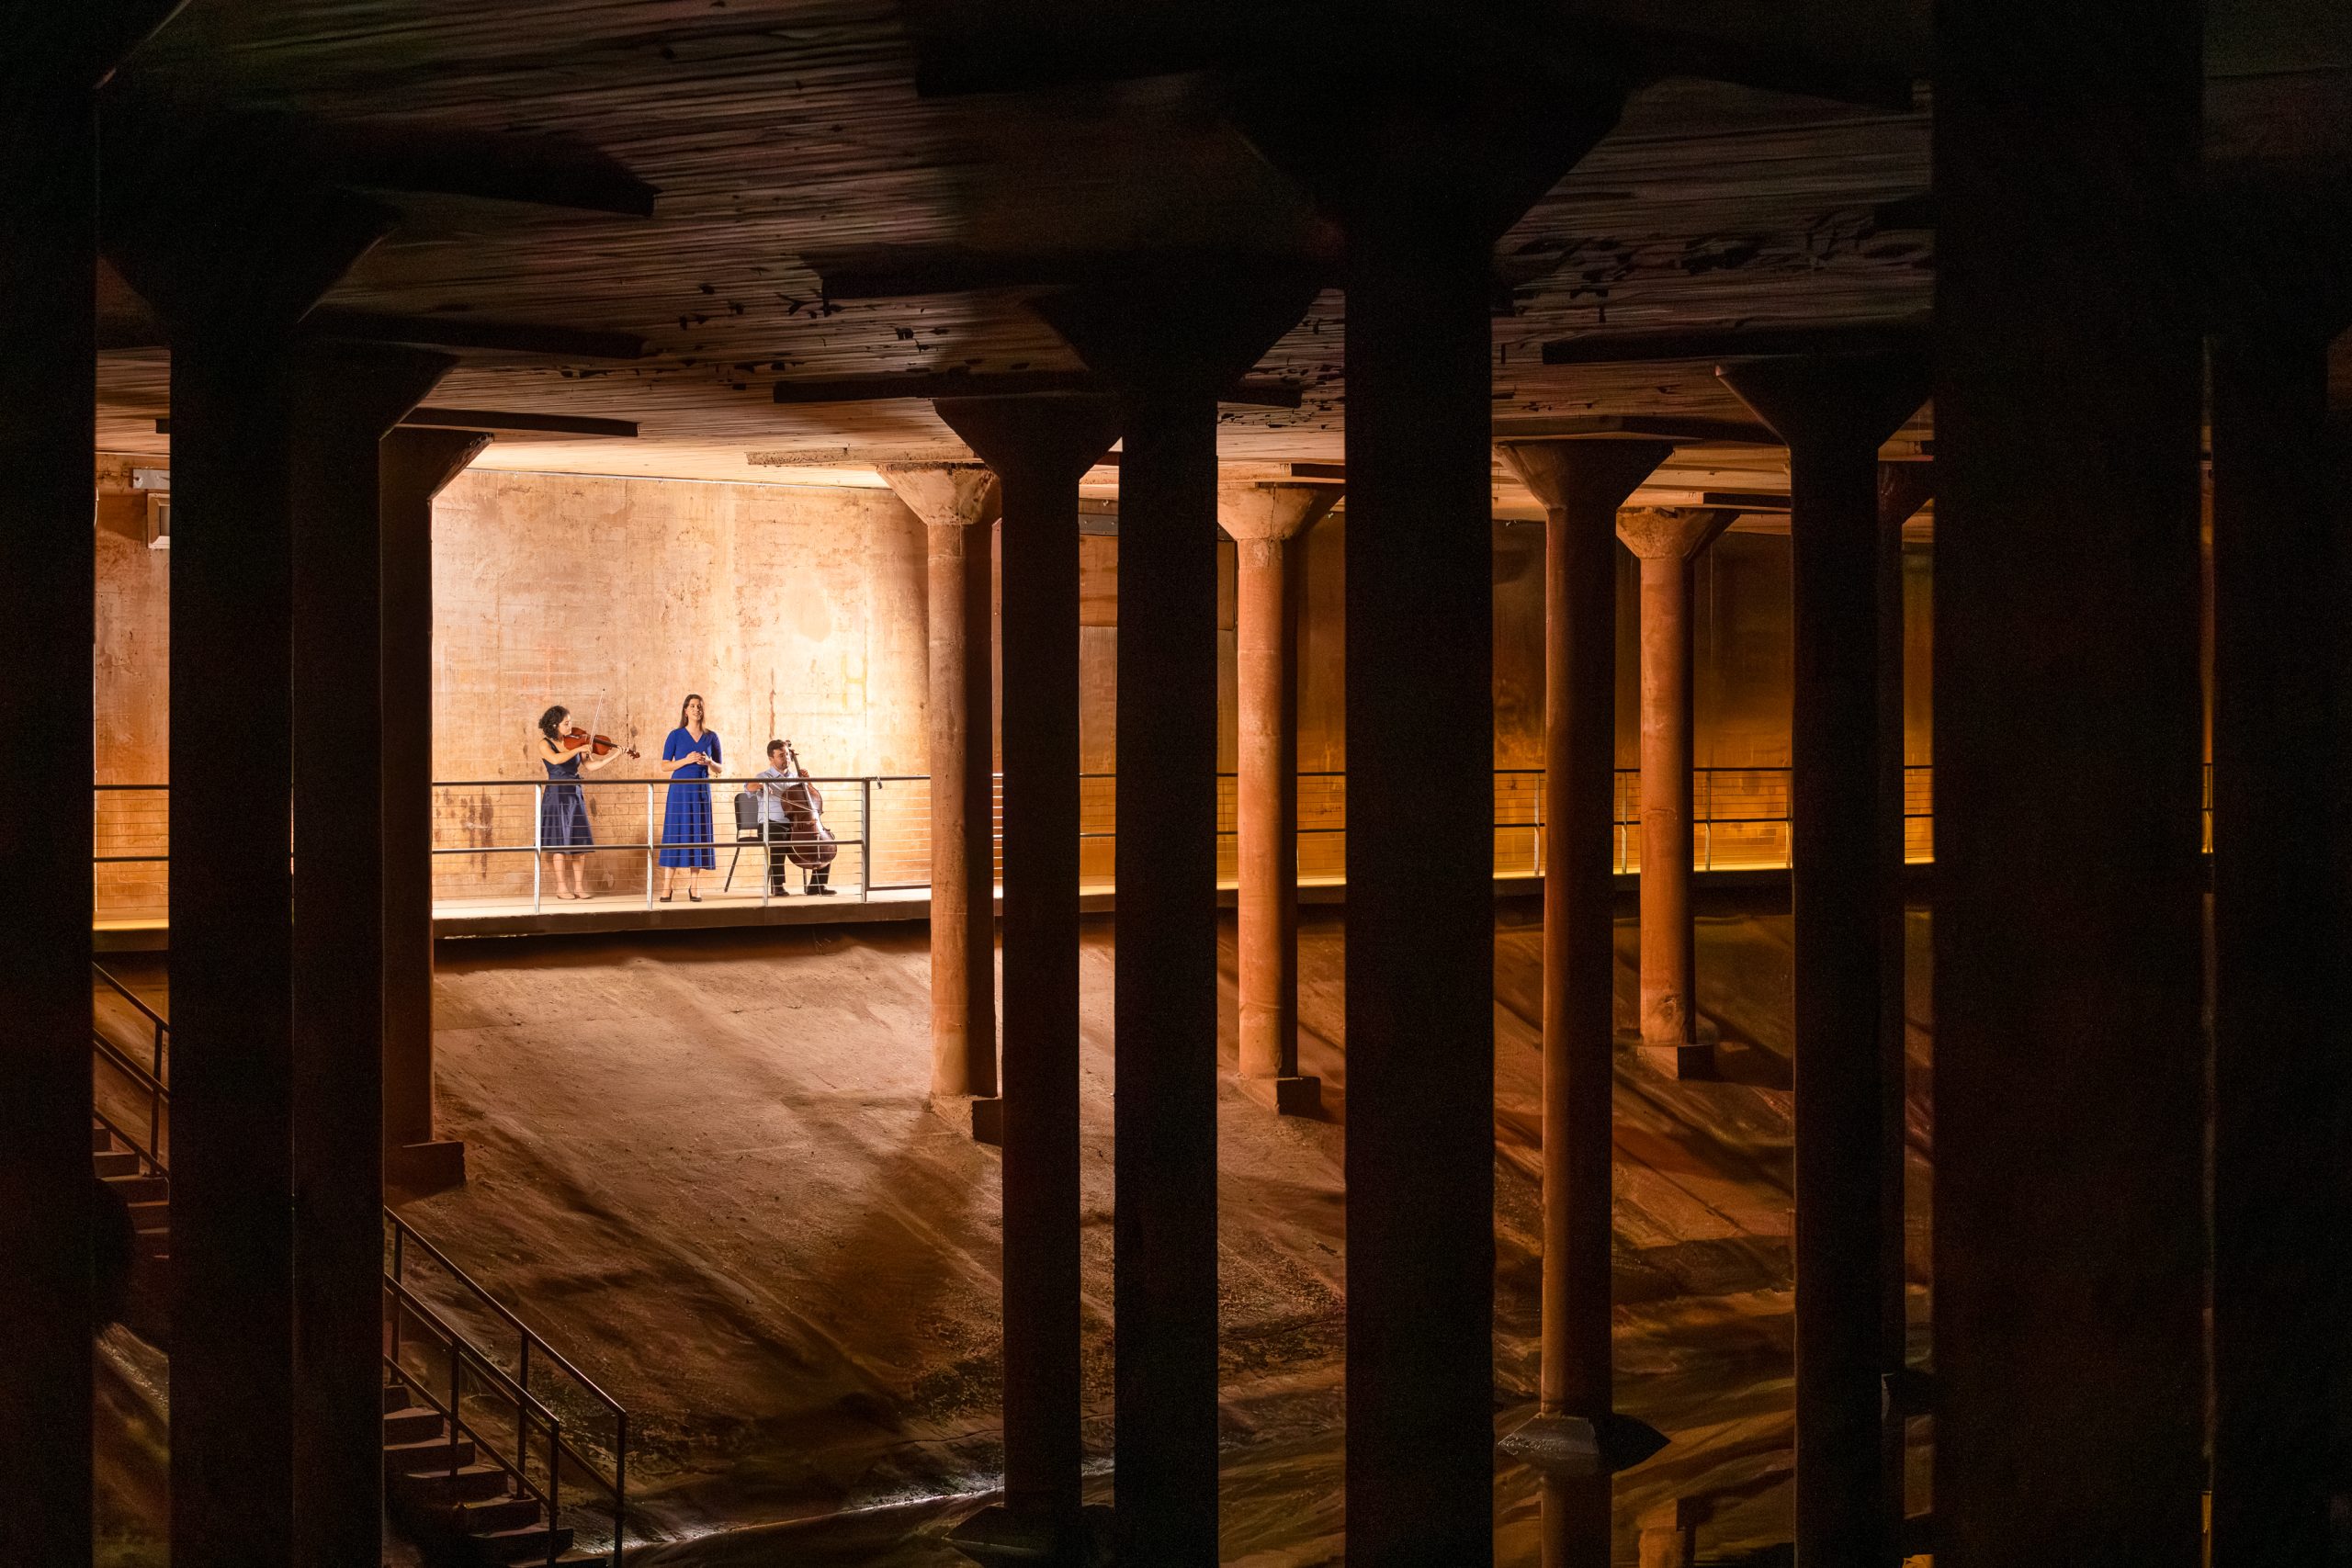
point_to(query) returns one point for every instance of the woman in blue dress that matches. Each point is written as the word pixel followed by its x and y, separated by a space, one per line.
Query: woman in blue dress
pixel 685 821
pixel 563 807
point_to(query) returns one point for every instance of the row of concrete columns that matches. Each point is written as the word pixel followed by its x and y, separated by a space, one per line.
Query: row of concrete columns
pixel 300 639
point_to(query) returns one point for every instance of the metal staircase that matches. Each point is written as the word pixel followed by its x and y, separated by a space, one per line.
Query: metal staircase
pixel 492 1455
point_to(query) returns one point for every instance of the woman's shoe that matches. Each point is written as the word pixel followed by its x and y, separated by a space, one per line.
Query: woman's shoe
pixel 694 895
pixel 665 898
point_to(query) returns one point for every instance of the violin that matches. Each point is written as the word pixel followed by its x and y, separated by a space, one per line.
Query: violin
pixel 573 739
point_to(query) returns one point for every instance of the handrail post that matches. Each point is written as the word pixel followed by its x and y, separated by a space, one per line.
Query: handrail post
pixel 457 1366
pixel 865 840
pixel 649 846
pixel 555 1482
pixel 620 1484
pixel 538 840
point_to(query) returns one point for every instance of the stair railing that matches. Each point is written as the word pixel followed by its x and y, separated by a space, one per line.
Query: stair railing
pixel 512 1391
pixel 147 1079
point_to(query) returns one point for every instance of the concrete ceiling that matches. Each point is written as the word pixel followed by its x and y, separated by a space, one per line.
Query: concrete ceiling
pixel 792 149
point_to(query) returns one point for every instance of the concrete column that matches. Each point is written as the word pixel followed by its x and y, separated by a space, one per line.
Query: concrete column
pixel 1040 448
pixel 1667 540
pixel 1423 173
pixel 1263 521
pixel 2281 857
pixel 230 265
pixel 48 393
pixel 1168 342
pixel 346 398
pixel 1845 853
pixel 413 466
pixel 1577 1438
pixel 2070 1065
pixel 958 503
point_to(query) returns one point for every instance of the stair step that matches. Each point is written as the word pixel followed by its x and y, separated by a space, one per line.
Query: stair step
pixel 536 1542
pixel 493 1515
pixel 100 1139
pixel 155 1217
pixel 396 1397
pixel 436 1456
pixel 439 1489
pixel 411 1426
pixel 140 1188
pixel 115 1162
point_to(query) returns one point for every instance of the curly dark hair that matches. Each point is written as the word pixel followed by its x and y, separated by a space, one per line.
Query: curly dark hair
pixel 551 720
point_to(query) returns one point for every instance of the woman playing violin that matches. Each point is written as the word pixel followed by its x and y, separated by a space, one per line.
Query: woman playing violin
pixel 693 752
pixel 563 808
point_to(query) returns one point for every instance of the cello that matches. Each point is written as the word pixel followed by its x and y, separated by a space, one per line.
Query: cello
pixel 808 842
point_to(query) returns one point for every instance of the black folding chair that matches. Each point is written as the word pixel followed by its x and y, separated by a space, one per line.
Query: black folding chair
pixel 747 830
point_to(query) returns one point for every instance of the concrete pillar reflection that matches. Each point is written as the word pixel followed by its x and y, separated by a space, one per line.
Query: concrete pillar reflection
pixel 1667 541
pixel 1265 522
pixel 958 505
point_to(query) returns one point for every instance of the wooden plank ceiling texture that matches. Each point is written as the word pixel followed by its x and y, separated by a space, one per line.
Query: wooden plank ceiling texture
pixel 788 142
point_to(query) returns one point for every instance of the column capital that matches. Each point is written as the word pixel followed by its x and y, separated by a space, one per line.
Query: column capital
pixel 1903 489
pixel 1847 400
pixel 1272 510
pixel 1183 328
pixel 1047 442
pixel 946 495
pixel 1589 473
pixel 1671 533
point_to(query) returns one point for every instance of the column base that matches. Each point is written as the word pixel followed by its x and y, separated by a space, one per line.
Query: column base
pixel 1693 1060
pixel 419 1170
pixel 981 1115
pixel 1667 1535
pixel 1297 1094
pixel 1572 1447
pixel 999 1534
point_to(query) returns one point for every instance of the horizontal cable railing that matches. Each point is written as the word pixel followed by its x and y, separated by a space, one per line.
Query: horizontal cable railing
pixel 495 849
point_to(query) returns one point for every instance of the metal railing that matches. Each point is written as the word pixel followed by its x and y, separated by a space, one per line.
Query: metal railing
pixel 426 1353
pixel 490 854
pixel 535 1435
pixel 490 840
pixel 146 1080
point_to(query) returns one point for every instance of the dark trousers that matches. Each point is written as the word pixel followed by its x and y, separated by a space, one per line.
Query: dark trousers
pixel 780 865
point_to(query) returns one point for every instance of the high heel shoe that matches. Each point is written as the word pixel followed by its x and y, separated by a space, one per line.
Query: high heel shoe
pixel 665 898
pixel 693 896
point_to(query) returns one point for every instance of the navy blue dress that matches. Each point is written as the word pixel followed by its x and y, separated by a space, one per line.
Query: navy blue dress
pixel 685 819
pixel 563 811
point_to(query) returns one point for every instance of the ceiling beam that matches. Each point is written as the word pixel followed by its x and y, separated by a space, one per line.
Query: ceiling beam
pixel 915 271
pixel 1656 427
pixel 1738 343
pixel 466 332
pixel 187 152
pixel 1002 384
pixel 504 423
pixel 462 333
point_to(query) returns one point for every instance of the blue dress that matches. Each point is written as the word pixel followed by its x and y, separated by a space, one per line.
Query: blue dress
pixel 563 811
pixel 685 819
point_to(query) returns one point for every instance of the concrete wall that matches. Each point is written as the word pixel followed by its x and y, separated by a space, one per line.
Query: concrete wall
pixel 800 612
